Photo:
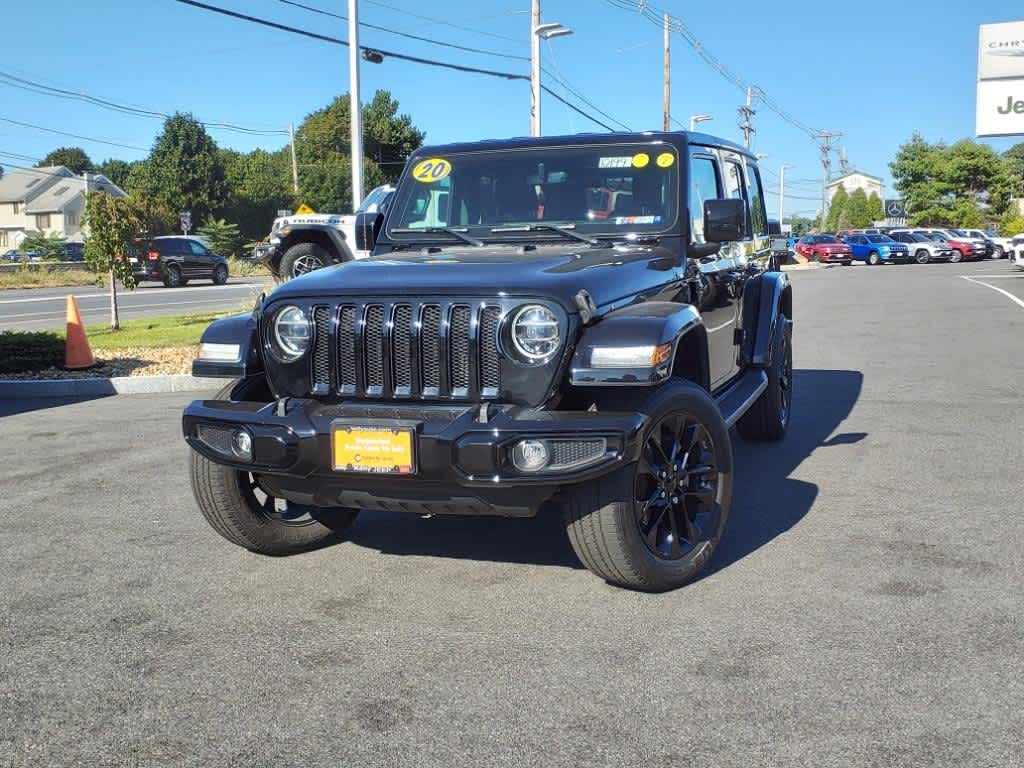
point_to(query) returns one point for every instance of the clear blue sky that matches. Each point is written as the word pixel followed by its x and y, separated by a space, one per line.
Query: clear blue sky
pixel 877 75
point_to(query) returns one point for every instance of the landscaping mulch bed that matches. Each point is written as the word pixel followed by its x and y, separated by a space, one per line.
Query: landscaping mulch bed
pixel 129 361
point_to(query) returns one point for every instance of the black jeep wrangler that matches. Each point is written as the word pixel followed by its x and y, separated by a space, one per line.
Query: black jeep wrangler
pixel 576 320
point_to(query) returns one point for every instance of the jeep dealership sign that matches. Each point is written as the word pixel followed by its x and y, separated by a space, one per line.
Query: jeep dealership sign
pixel 1000 110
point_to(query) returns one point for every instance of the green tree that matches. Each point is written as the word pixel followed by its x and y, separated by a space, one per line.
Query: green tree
pixel 184 172
pixel 876 210
pixel 259 184
pixel 74 158
pixel 838 204
pixel 111 223
pixel 47 246
pixel 1012 225
pixel 118 171
pixel 324 150
pixel 222 236
pixel 857 209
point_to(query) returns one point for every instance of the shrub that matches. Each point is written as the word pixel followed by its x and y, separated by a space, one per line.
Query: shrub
pixel 30 350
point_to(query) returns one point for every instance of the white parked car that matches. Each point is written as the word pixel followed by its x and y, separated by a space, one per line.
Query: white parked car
pixel 1016 251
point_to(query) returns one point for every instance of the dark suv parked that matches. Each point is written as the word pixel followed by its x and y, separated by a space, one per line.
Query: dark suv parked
pixel 503 349
pixel 175 260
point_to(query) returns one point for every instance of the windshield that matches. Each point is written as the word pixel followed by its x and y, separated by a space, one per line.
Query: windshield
pixel 611 189
pixel 880 239
pixel 917 238
pixel 959 233
pixel 825 239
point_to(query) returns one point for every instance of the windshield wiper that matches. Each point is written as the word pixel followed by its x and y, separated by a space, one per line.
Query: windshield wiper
pixel 458 233
pixel 565 229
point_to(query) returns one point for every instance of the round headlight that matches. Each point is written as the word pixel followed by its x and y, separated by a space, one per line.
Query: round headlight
pixel 535 333
pixel 291 334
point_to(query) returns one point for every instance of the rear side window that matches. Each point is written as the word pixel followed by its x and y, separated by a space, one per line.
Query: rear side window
pixel 704 185
pixel 170 247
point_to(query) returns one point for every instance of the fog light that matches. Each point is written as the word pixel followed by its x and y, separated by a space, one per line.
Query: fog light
pixel 530 455
pixel 241 444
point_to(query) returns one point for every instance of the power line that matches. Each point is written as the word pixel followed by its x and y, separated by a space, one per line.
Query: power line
pixel 71 135
pixel 26 84
pixel 420 38
pixel 656 16
pixel 391 54
pixel 442 21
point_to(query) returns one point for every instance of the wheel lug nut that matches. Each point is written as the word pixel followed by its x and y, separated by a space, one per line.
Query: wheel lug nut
pixel 675 499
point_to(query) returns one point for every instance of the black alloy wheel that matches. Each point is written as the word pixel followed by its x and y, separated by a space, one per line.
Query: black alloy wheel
pixel 220 274
pixel 921 256
pixel 676 488
pixel 271 508
pixel 172 276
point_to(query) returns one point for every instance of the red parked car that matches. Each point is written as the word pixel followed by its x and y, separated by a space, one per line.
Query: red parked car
pixel 828 249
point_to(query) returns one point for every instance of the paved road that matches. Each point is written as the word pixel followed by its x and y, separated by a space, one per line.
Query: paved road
pixel 864 610
pixel 43 308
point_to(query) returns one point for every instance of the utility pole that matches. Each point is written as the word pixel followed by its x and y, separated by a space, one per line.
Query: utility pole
pixel 295 163
pixel 782 191
pixel 747 111
pixel 667 99
pixel 355 107
pixel 826 138
pixel 534 69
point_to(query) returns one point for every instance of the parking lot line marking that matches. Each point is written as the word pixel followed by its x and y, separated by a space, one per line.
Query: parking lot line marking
pixel 1018 276
pixel 81 296
pixel 1019 302
pixel 41 316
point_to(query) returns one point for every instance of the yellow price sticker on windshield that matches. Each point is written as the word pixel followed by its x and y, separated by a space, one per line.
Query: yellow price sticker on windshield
pixel 641 159
pixel 429 171
pixel 666 160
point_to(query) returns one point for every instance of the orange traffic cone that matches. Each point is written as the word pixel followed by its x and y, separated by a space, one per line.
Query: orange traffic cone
pixel 77 352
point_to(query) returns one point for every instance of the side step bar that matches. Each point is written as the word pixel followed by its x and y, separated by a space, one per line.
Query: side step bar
pixel 741 394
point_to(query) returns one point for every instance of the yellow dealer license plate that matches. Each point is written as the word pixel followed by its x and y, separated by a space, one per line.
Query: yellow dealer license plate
pixel 377 450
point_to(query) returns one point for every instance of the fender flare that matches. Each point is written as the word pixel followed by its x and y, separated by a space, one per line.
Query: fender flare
pixel 765 298
pixel 647 324
pixel 240 330
pixel 335 236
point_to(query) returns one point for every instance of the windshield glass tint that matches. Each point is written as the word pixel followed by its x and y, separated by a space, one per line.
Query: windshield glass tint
pixel 826 239
pixel 880 239
pixel 609 189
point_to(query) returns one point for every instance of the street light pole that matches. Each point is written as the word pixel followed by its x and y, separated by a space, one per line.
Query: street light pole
pixel 782 191
pixel 355 108
pixel 667 95
pixel 538 31
pixel 694 119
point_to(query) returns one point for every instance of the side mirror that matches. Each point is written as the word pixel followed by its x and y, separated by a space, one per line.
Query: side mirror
pixel 367 228
pixel 725 220
pixel 774 228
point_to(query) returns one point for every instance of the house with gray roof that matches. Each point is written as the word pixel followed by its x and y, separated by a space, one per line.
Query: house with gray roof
pixel 48 201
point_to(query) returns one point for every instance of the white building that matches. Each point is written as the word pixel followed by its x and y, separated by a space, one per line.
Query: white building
pixel 853 181
pixel 47 201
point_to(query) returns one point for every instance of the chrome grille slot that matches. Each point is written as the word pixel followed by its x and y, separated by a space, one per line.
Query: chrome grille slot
pixel 458 351
pixel 373 345
pixel 321 351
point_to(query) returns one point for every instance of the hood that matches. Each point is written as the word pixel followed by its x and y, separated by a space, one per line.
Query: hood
pixel 557 271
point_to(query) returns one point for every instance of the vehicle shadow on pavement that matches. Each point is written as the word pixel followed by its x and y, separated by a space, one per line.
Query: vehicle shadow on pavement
pixel 26 405
pixel 767 502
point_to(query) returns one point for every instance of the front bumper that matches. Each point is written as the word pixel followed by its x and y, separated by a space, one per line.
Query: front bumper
pixel 462 453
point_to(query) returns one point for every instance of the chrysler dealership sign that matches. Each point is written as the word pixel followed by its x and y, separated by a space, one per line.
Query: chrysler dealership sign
pixel 1001 79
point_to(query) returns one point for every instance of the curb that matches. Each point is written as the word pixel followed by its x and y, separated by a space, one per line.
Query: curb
pixel 24 389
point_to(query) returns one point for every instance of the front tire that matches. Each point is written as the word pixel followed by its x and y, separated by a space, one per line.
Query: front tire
pixel 303 258
pixel 957 257
pixel 653 525
pixel 768 418
pixel 237 508
pixel 220 275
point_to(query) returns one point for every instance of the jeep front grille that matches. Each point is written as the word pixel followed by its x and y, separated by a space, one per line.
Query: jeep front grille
pixel 406 349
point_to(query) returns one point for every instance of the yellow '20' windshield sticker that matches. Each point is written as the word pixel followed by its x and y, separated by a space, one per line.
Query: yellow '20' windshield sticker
pixel 432 170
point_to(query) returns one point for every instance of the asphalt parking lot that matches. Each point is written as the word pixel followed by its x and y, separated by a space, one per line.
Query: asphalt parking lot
pixel 865 608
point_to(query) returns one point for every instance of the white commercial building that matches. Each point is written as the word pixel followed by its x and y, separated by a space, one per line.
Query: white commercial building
pixel 853 181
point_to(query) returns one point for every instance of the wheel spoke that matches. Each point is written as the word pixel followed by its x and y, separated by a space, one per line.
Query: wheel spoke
pixel 692 532
pixel 650 468
pixel 703 494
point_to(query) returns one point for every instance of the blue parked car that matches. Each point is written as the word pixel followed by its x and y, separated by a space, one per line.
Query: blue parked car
pixel 875 249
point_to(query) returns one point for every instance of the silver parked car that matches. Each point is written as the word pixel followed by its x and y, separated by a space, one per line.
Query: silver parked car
pixel 923 249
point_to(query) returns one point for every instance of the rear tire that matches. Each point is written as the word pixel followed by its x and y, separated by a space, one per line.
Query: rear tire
pixel 172 276
pixel 873 259
pixel 653 525
pixel 768 418
pixel 303 258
